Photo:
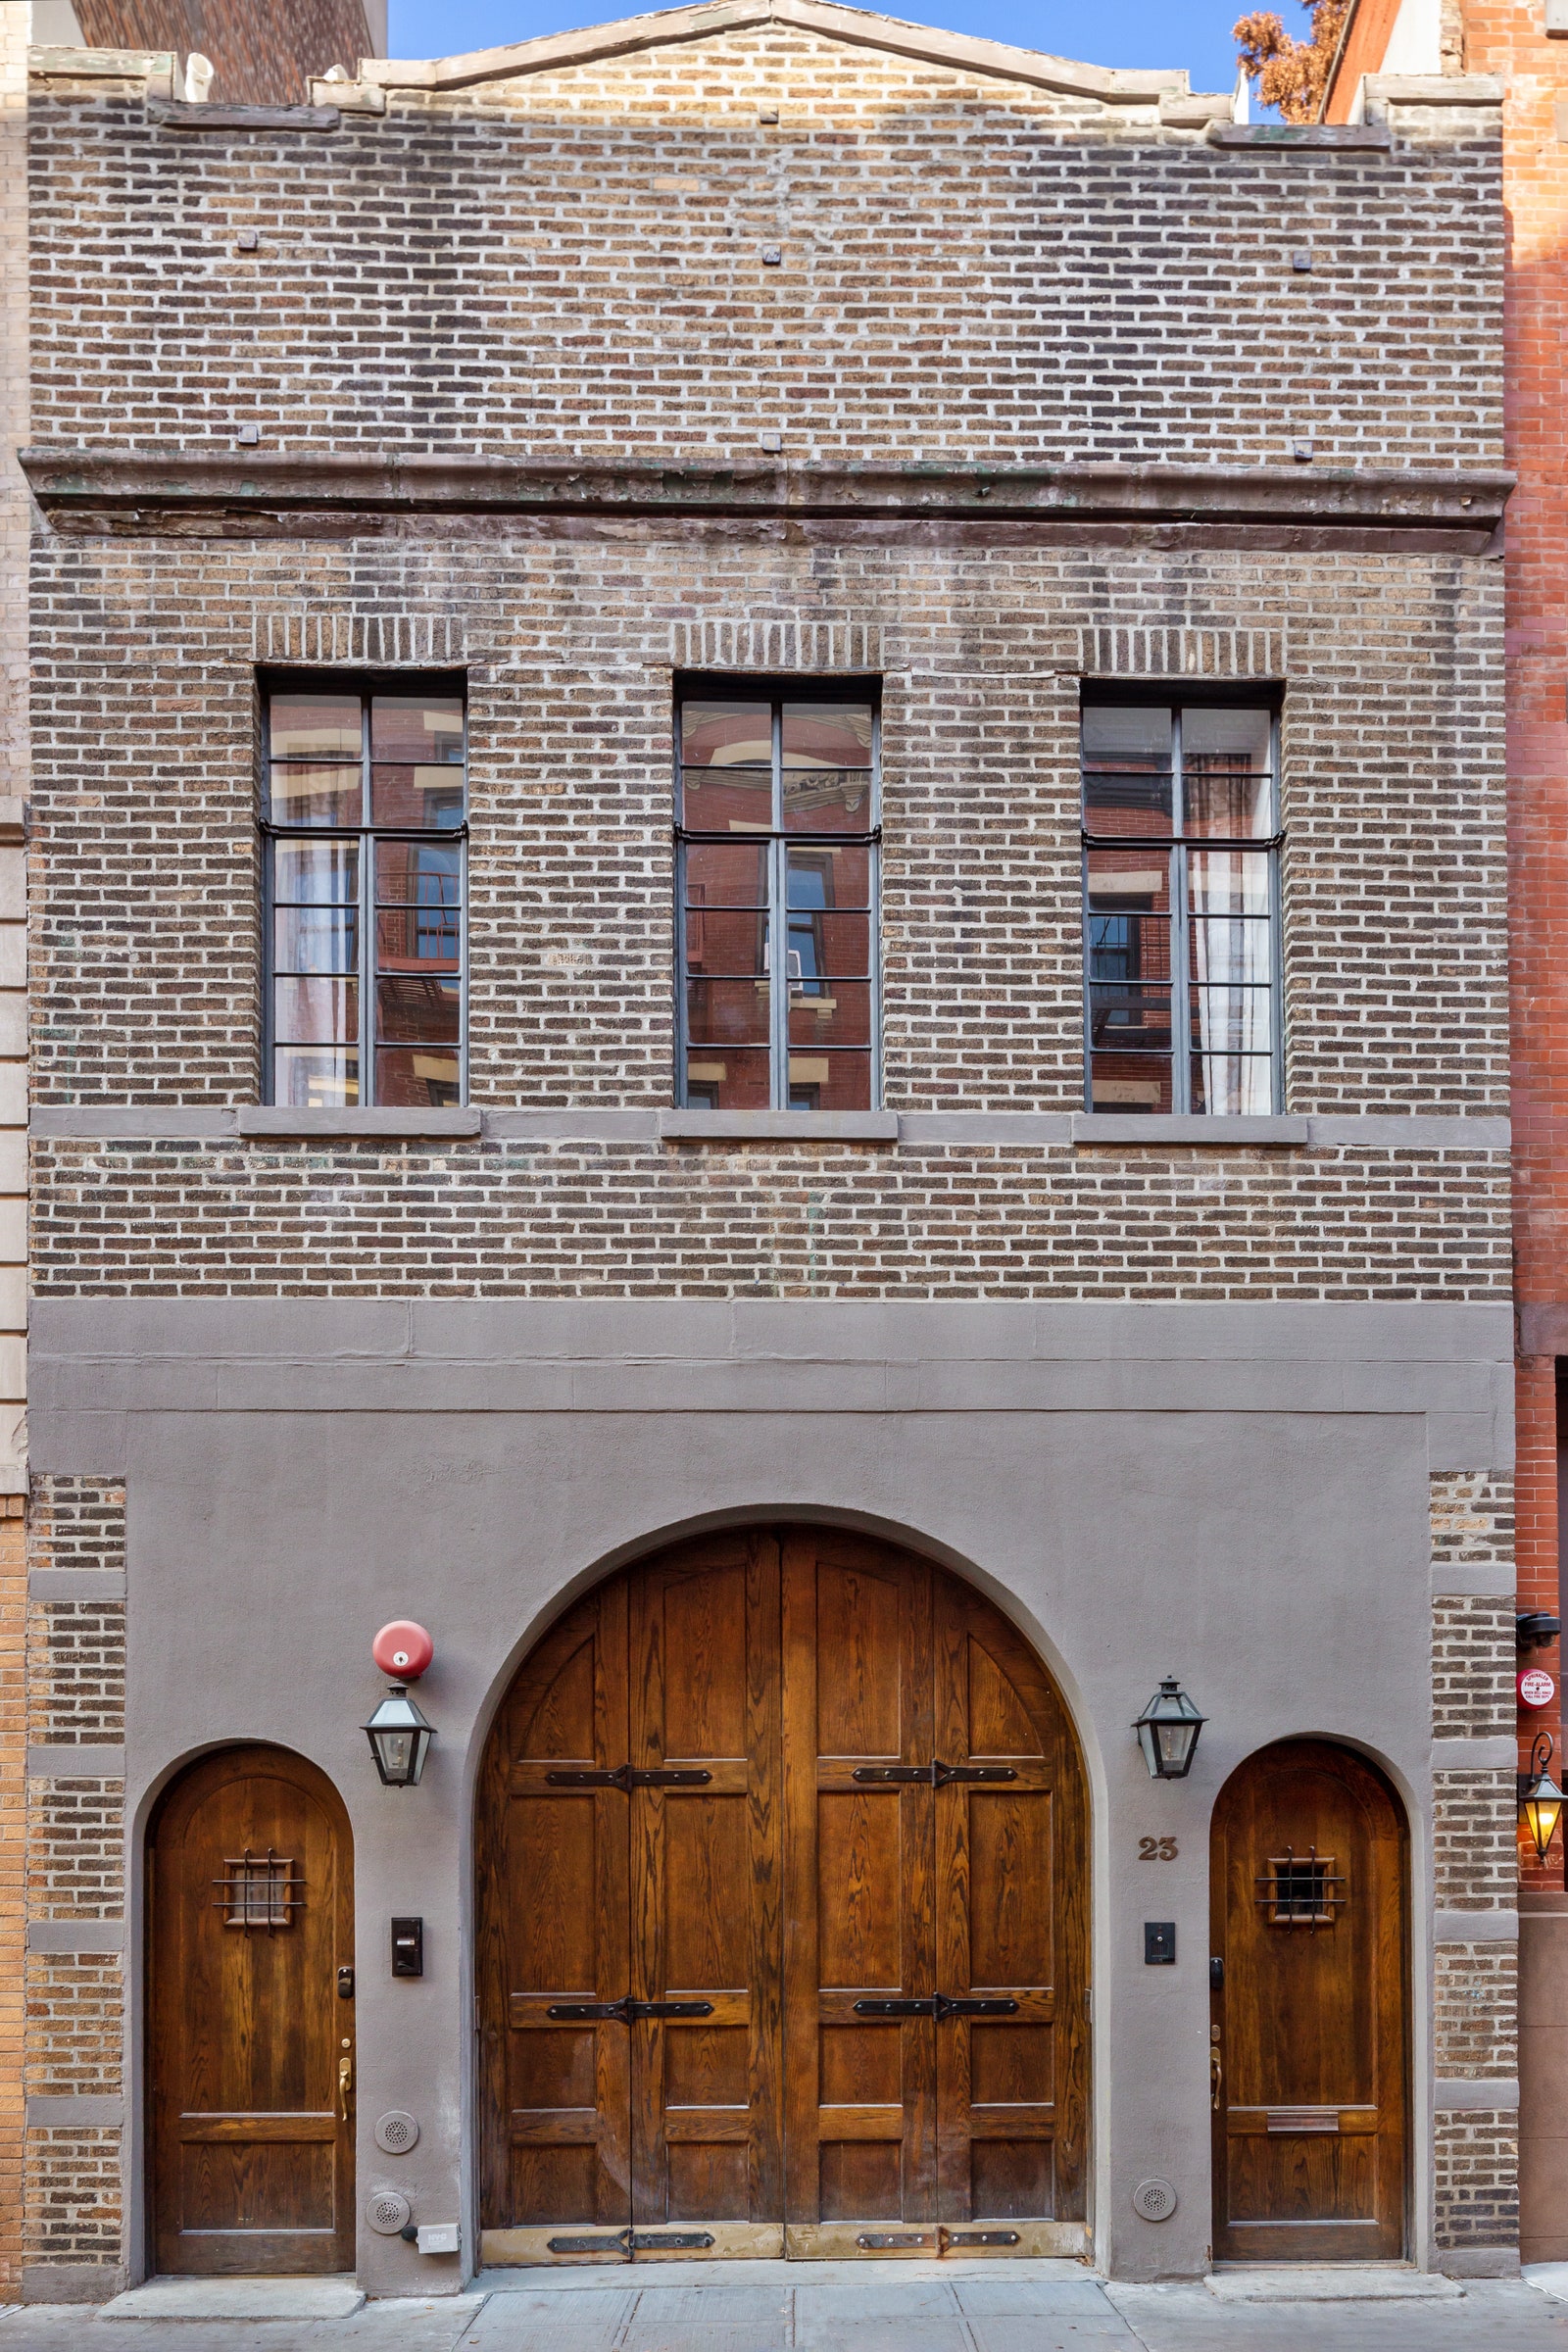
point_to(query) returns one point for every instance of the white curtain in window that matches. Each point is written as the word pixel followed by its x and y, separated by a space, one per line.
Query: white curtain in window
pixel 1231 966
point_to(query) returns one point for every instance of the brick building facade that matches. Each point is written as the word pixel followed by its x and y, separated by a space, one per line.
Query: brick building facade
pixel 783 359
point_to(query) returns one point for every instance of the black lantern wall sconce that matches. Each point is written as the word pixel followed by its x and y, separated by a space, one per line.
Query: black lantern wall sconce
pixel 399 1737
pixel 1541 1800
pixel 1167 1731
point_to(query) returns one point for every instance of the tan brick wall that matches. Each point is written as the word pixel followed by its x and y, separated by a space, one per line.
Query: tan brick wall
pixel 1475 2010
pixel 1476 2158
pixel 1472 1667
pixel 13 1884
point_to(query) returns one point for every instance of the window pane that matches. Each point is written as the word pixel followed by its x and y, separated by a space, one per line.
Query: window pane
pixel 1226 882
pixel 316 1012
pixel 418 874
pixel 722 873
pixel 827 767
pixel 830 1081
pixel 1231 1020
pixel 727 1011
pixel 847 873
pixel 417 939
pixel 412 1011
pixel 1121 1082
pixel 418 1081
pixel 726 940
pixel 1130 881
pixel 830 947
pixel 416 726
pixel 839 1015
pixel 316 939
pixel 1226 951
pixel 428 796
pixel 315 795
pixel 1127 768
pixel 313 1079
pixel 320 872
pixel 1226 781
pixel 733 743
pixel 1132 1017
pixel 314 726
pixel 1231 1085
pixel 729 1081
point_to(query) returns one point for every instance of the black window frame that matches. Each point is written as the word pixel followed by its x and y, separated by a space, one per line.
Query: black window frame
pixel 367 836
pixel 1178 697
pixel 776 689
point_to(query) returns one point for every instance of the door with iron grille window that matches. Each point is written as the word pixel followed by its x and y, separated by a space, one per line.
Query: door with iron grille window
pixel 251 1947
pixel 1308 2029
pixel 782 1920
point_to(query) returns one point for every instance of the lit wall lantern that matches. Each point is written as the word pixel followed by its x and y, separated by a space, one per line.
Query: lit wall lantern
pixel 1541 1800
pixel 399 1737
pixel 1167 1731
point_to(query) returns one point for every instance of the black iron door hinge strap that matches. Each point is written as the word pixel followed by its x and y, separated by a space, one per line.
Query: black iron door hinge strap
pixel 935 1775
pixel 628 2242
pixel 629 1776
pixel 583 2011
pixel 939 2239
pixel 934 2004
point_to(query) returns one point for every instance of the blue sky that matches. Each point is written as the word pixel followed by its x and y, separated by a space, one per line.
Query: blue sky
pixel 1194 34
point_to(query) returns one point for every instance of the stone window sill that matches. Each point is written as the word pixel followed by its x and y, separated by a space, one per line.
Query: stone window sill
pixel 1172 1127
pixel 778 1126
pixel 259 1120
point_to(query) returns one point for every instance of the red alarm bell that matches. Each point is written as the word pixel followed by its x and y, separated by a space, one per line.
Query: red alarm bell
pixel 403 1649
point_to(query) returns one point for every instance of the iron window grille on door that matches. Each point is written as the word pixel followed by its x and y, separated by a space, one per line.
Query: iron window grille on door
pixel 1182 986
pixel 364 821
pixel 778 830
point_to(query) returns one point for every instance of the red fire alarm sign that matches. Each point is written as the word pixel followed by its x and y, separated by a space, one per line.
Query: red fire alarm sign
pixel 1535 1688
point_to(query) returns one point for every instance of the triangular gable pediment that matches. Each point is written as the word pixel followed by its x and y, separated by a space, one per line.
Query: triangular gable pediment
pixel 858 27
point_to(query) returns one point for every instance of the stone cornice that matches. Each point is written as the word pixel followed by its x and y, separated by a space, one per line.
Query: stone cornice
pixel 253 493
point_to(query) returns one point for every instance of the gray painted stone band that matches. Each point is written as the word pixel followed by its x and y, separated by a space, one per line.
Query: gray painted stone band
pixel 1475 1927
pixel 85 2112
pixel 1494 1581
pixel 1372 1131
pixel 778 1126
pixel 75 1934
pixel 1474 1755
pixel 84 1763
pixel 76 1584
pixel 1458 2092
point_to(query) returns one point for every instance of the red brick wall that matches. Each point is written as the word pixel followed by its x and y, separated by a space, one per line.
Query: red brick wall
pixel 262 51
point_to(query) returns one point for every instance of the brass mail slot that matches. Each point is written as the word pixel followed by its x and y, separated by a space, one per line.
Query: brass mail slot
pixel 1296 2121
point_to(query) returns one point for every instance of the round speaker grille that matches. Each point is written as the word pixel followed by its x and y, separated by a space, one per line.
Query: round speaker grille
pixel 396 2132
pixel 388 2211
pixel 1154 2200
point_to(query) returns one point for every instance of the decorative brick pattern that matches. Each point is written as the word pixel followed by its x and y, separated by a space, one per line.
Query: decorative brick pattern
pixel 77 1523
pixel 1476 2200
pixel 264 51
pixel 76 2210
pixel 957 255
pixel 76 1681
pixel 1475 2017
pixel 522 1218
pixel 76 2016
pixel 1472 1668
pixel 1474 1832
pixel 1472 1514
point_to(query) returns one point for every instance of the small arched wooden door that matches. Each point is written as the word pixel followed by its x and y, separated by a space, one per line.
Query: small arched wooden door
pixel 1309 2062
pixel 251 1921
pixel 782 1919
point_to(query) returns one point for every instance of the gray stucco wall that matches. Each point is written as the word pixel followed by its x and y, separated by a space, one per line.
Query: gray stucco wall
pixel 1237 1494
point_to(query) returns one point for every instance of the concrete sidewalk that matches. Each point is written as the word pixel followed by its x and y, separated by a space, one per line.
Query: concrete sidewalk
pixel 830 2307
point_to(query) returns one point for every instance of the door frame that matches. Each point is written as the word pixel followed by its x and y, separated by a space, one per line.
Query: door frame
pixel 140 2154
pixel 782 1520
pixel 1411 2233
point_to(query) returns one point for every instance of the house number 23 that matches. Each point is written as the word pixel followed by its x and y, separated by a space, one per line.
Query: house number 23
pixel 1156 1849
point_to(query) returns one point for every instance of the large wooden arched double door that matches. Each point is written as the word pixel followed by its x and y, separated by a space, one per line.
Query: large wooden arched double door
pixel 782 1919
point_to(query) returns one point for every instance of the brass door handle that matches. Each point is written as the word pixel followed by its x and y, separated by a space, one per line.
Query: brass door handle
pixel 345 2084
pixel 1216 2075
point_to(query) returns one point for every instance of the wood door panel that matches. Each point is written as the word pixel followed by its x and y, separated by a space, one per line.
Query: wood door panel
pixel 1307 1880
pixel 782 1892
pixel 251 1914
